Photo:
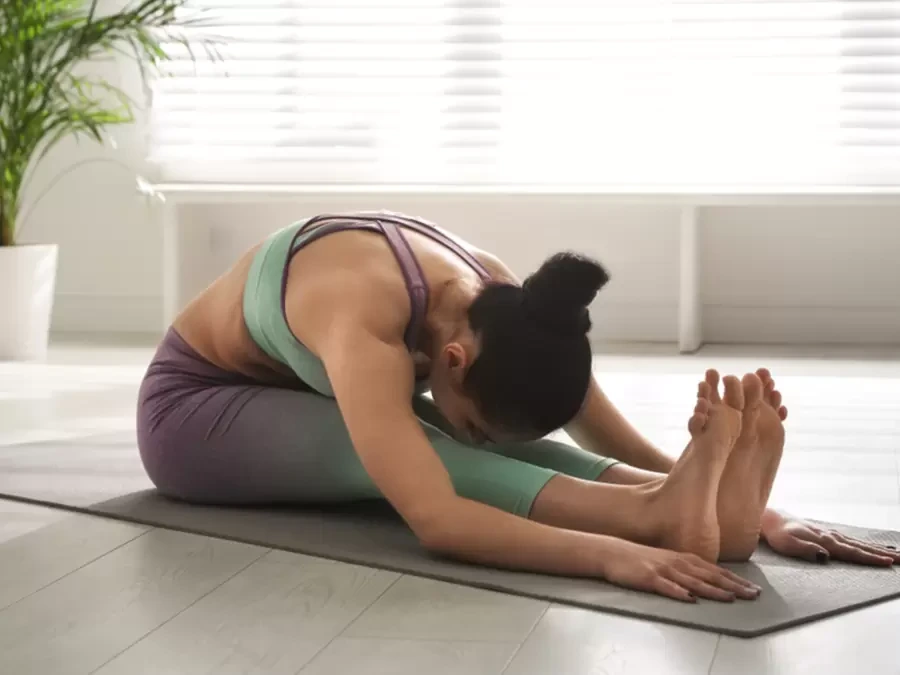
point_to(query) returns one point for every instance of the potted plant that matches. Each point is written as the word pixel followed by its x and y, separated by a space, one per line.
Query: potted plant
pixel 45 97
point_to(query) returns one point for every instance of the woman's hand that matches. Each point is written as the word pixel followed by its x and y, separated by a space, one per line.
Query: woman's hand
pixel 799 539
pixel 682 576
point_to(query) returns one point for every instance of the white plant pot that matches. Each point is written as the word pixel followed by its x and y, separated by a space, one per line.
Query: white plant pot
pixel 27 286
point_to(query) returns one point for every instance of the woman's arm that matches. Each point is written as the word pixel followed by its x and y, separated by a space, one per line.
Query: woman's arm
pixel 600 428
pixel 372 380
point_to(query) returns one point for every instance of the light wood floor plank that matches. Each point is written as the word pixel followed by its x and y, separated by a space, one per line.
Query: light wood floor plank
pixel 367 656
pixel 582 642
pixel 80 622
pixel 17 519
pixel 271 619
pixel 864 641
pixel 34 560
pixel 424 609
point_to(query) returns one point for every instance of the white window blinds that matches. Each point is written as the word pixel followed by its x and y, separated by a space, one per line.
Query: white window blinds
pixel 576 92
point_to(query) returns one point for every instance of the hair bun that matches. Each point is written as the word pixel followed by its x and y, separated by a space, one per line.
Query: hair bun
pixel 559 293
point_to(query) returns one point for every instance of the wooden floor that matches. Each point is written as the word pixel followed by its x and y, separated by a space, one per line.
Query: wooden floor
pixel 80 594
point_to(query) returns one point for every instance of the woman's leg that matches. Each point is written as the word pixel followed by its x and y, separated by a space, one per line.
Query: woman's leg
pixel 246 444
pixel 676 511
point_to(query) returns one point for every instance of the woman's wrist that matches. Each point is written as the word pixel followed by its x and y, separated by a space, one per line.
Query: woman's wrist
pixel 600 553
pixel 770 520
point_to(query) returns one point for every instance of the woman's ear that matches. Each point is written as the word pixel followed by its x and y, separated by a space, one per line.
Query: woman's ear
pixel 457 361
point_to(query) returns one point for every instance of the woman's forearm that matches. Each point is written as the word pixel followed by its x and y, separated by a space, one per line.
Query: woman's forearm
pixel 600 428
pixel 483 535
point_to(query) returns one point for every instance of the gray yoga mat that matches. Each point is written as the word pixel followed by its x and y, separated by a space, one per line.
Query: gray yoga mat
pixel 371 534
pixel 103 476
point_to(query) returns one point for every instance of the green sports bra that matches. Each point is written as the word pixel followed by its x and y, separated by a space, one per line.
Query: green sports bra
pixel 264 291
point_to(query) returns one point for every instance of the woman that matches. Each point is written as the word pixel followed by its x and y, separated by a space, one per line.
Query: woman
pixel 297 377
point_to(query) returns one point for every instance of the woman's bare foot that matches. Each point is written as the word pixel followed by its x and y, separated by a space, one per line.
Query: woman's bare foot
pixel 686 498
pixel 751 468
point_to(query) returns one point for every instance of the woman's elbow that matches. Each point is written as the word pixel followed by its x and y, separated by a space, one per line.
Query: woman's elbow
pixel 436 531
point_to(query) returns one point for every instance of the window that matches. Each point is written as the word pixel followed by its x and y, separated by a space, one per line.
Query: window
pixel 585 92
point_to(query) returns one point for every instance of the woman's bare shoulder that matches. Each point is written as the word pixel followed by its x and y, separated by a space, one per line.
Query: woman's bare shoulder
pixel 498 270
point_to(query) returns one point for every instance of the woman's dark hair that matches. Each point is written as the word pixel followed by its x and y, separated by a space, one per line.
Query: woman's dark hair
pixel 534 367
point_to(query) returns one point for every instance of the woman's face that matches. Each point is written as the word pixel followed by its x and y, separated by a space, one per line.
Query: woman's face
pixel 447 389
pixel 457 407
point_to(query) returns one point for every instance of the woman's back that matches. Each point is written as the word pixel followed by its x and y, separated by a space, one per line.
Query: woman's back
pixel 216 326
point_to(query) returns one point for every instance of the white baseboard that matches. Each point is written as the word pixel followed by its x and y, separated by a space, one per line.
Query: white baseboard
pixel 96 313
pixel 801 325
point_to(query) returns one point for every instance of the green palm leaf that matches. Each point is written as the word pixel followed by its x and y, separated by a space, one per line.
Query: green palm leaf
pixel 43 99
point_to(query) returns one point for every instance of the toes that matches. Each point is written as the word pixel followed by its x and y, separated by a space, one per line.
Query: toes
pixel 696 423
pixel 702 406
pixel 712 379
pixel 703 391
pixel 753 390
pixel 782 413
pixel 734 392
pixel 771 396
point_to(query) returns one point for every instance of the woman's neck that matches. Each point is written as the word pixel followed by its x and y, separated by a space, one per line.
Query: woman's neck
pixel 447 314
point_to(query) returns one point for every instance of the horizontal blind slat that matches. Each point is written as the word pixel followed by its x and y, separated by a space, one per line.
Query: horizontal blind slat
pixel 502 90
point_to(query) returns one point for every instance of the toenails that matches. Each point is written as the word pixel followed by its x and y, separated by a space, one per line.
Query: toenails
pixel 734 392
pixel 703 390
pixel 753 390
pixel 697 423
pixel 775 399
pixel 712 381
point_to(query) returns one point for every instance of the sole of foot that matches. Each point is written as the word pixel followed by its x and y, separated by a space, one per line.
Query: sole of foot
pixel 687 498
pixel 751 468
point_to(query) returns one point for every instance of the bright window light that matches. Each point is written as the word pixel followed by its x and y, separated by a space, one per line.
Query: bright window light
pixel 527 92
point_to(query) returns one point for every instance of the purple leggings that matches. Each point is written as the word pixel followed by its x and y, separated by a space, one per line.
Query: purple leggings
pixel 210 436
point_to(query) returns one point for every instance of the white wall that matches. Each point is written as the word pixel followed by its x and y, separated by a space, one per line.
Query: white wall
pixel 636 243
pixel 767 275
pixel 110 248
pixel 800 275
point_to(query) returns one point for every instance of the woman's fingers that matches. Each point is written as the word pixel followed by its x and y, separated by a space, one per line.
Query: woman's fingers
pixel 670 589
pixel 728 581
pixel 851 553
pixel 805 549
pixel 868 546
pixel 725 574
pixel 699 587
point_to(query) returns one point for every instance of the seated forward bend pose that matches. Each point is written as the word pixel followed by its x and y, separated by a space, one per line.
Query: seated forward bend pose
pixel 296 377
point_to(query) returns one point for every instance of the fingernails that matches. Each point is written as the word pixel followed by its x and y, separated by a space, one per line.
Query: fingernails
pixel 821 557
pixel 691 596
pixel 893 548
